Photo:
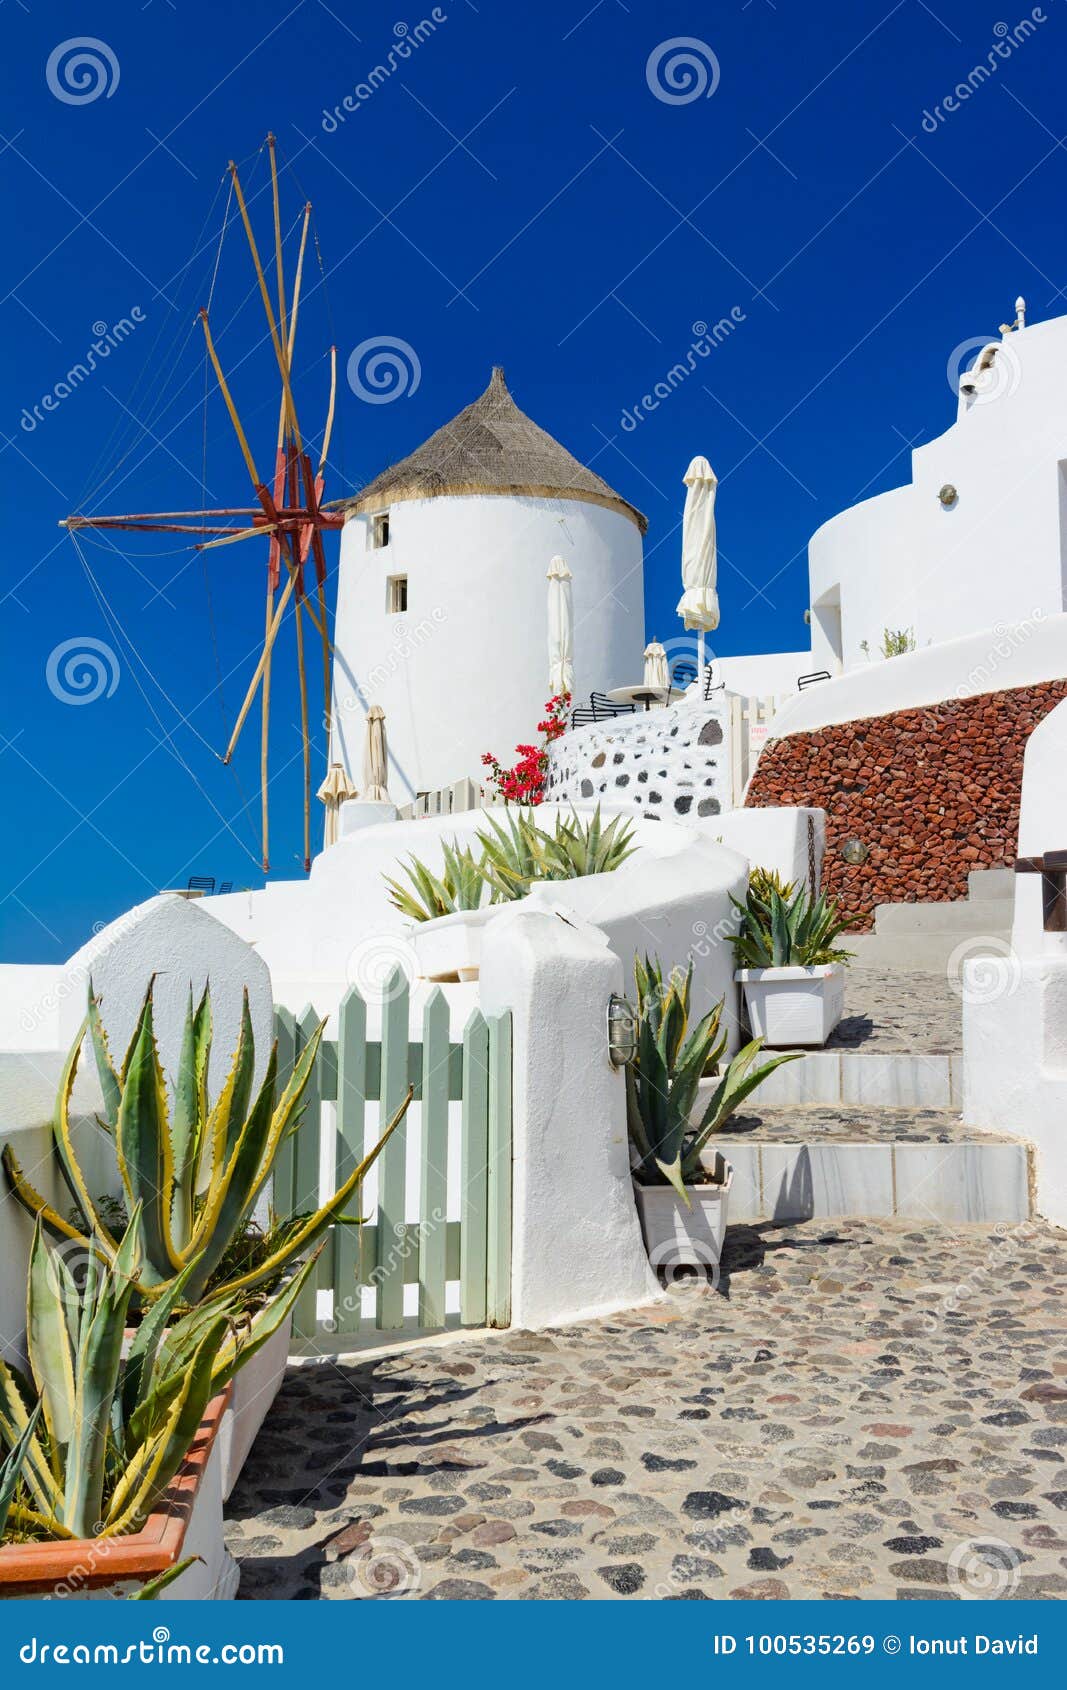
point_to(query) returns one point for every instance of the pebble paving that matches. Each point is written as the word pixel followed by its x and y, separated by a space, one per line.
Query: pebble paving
pixel 856 1410
pixel 915 1013
pixel 847 1123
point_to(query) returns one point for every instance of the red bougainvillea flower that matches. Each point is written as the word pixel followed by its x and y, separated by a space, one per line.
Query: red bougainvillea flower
pixel 524 782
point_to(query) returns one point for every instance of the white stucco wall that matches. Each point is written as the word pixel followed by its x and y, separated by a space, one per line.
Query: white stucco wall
pixel 1015 1003
pixel 769 674
pixel 902 560
pixel 578 1249
pixel 1010 654
pixel 185 948
pixel 339 928
pixel 465 669
pixel 776 838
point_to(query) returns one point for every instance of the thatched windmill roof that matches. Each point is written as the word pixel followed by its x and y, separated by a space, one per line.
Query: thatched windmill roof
pixel 491 447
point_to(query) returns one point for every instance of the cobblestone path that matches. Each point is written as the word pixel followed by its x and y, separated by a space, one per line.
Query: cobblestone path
pixel 919 1014
pixel 858 1410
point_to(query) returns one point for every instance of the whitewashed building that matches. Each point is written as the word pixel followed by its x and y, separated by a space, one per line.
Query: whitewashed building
pixel 442 598
pixel 974 544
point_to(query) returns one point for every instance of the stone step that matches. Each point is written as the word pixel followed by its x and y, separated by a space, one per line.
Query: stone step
pixel 919 953
pixel 857 1079
pixel 991 883
pixel 825 1164
pixel 969 916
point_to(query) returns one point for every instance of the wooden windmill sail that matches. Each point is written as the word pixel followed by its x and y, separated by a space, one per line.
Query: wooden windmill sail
pixel 289 512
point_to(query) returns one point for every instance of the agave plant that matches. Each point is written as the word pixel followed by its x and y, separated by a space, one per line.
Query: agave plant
pixel 13 1463
pixel 193 1170
pixel 794 931
pixel 521 854
pixel 663 1079
pixel 462 886
pixel 763 881
pixel 97 1436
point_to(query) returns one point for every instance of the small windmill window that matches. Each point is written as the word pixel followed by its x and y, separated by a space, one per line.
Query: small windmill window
pixel 396 594
pixel 379 530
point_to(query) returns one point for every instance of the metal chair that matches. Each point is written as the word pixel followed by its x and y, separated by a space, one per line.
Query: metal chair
pixel 201 883
pixel 227 886
pixel 600 708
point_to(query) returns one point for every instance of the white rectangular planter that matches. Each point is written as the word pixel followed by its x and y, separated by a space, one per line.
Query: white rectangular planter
pixel 254 1389
pixel 793 1006
pixel 679 1237
pixel 450 947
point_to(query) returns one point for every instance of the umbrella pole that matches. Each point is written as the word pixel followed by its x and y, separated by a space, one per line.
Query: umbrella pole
pixel 700 656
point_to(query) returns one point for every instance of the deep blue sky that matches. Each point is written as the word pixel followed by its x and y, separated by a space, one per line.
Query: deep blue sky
pixel 515 193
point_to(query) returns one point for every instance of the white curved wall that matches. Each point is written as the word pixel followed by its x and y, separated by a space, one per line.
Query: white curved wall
pixel 465 669
pixel 901 560
pixel 1011 654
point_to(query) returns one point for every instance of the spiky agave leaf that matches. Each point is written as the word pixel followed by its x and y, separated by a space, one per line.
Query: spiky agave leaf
pixel 11 1468
pixel 143 1147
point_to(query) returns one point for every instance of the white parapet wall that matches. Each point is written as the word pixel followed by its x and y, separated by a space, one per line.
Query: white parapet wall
pixel 339 928
pixel 578 1249
pixel 1010 654
pixel 1015 1002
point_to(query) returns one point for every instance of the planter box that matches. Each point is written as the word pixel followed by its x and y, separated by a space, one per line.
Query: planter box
pixel 187 1521
pixel 251 1394
pixel 679 1237
pixel 793 1006
pixel 450 948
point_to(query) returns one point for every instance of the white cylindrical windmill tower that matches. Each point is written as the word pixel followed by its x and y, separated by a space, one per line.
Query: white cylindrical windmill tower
pixel 441 603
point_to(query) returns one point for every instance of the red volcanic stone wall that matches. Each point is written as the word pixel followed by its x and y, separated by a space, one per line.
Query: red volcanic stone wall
pixel 934 793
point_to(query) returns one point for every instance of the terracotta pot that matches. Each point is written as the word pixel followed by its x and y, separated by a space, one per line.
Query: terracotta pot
pixel 187 1520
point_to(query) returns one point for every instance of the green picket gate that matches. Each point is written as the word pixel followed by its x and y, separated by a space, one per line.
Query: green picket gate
pixel 388 1249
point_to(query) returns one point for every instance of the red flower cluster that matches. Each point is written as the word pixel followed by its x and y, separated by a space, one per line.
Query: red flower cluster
pixel 525 782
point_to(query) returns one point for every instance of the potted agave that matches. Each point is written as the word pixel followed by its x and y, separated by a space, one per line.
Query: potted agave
pixel 450 911
pixel 195 1170
pixel 681 1184
pixel 791 968
pixel 112 1470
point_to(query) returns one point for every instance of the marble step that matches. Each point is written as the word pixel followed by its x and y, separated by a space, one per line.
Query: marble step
pixel 886 1079
pixel 967 916
pixel 922 1165
pixel 991 883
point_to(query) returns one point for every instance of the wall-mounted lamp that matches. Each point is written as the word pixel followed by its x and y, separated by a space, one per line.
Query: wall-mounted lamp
pixel 855 852
pixel 948 496
pixel 807 618
pixel 622 1031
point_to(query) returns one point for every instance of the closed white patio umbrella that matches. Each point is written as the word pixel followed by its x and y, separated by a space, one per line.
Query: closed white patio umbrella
pixel 657 674
pixel 699 604
pixel 560 629
pixel 333 792
pixel 375 763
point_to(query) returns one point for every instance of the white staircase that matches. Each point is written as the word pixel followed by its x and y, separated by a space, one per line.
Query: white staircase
pixel 924 937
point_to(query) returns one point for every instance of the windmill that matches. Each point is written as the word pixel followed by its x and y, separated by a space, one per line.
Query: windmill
pixel 289 512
